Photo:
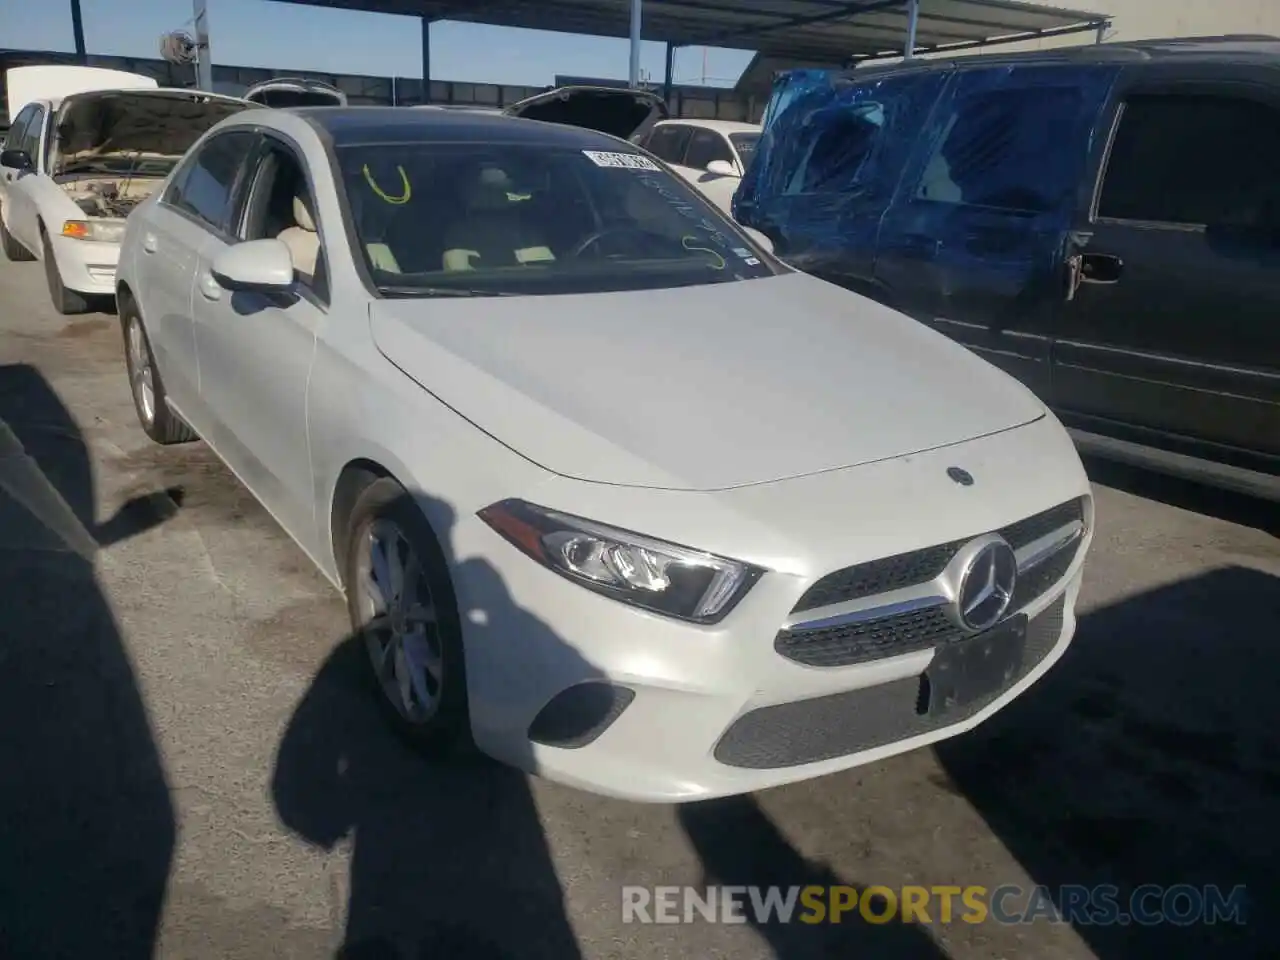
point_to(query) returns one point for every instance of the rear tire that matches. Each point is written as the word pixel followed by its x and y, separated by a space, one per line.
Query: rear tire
pixel 13 250
pixel 66 302
pixel 157 420
pixel 413 657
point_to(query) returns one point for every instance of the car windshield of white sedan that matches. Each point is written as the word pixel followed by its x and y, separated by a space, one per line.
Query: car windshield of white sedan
pixel 437 219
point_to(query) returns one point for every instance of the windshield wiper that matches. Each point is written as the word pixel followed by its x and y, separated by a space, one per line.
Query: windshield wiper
pixel 442 292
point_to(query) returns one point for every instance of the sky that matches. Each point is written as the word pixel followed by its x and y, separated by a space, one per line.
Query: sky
pixel 288 36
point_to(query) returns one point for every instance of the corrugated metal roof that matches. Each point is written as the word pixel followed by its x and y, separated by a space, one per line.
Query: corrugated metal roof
pixel 832 31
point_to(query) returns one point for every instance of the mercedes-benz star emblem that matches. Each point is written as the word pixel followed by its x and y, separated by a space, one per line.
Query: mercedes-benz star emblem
pixel 987 585
pixel 960 476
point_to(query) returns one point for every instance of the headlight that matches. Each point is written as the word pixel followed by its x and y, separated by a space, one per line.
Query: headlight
pixel 659 576
pixel 104 231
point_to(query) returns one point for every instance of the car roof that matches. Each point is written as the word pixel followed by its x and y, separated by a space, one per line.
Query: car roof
pixel 1249 48
pixel 348 126
pixel 723 126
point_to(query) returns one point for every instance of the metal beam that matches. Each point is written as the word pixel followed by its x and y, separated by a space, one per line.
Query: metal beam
pixel 77 31
pixel 668 78
pixel 844 12
pixel 426 59
pixel 913 24
pixel 636 6
pixel 994 42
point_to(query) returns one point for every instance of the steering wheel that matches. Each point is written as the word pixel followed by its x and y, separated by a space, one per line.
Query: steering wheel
pixel 602 233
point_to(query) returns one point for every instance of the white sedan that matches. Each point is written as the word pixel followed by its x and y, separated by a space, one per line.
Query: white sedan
pixel 74 167
pixel 610 491
pixel 713 155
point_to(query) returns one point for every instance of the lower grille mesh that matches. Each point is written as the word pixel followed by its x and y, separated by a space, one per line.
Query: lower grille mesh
pixel 808 731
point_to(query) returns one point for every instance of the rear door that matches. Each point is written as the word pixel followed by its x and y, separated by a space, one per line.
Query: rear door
pixel 1171 329
pixel 972 243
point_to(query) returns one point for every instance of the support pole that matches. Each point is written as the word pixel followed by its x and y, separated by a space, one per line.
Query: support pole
pixel 668 79
pixel 913 21
pixel 77 31
pixel 635 43
pixel 1102 32
pixel 204 54
pixel 426 59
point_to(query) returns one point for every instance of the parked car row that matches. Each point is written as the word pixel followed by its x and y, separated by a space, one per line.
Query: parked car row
pixel 527 398
pixel 1102 222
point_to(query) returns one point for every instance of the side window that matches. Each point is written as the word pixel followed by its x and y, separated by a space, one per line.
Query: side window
pixel 204 188
pixel 1197 160
pixel 17 130
pixel 838 143
pixel 281 206
pixel 1006 148
pixel 705 146
pixel 668 142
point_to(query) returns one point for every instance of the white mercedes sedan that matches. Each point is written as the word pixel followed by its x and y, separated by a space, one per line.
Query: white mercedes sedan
pixel 612 494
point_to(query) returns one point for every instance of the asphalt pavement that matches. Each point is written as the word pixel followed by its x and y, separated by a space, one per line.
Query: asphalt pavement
pixel 193 768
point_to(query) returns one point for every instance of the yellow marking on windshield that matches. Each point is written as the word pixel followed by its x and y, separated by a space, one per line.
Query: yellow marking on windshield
pixel 404 180
pixel 684 242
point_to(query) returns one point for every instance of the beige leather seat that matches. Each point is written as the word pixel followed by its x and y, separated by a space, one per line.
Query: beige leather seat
pixel 493 232
pixel 302 240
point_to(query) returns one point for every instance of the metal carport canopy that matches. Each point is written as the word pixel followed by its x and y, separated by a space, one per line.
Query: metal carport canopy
pixel 829 31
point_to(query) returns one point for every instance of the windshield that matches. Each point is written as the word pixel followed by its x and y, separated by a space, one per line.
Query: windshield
pixel 745 144
pixel 494 219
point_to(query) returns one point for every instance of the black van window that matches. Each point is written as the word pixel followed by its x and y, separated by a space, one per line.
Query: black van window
pixel 1006 148
pixel 1200 160
pixel 836 147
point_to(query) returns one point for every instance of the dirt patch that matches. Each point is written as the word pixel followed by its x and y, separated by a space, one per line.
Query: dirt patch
pixel 82 329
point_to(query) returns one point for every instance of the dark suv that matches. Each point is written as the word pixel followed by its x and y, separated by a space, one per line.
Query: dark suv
pixel 1102 222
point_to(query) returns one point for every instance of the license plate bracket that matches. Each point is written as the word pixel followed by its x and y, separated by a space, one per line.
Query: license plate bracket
pixel 969 670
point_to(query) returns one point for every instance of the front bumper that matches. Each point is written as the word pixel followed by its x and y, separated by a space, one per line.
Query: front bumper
pixel 86 266
pixel 714 711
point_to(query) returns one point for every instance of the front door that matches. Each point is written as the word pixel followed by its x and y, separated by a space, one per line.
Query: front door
pixel 195 207
pixel 972 243
pixel 1171 332
pixel 256 349
pixel 20 213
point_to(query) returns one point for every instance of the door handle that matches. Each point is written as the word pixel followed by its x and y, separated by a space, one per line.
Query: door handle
pixel 921 244
pixel 210 289
pixel 1102 269
pixel 149 243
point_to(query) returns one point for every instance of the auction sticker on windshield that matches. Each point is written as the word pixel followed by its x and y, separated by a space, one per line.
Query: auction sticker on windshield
pixel 622 161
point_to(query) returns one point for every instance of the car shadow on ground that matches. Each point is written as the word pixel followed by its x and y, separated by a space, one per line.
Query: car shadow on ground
pixel 1148 755
pixel 86 824
pixel 739 845
pixel 1185 494
pixel 448 858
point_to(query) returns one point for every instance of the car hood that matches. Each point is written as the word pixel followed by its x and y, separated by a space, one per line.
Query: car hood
pixel 617 111
pixel 699 388
pixel 152 123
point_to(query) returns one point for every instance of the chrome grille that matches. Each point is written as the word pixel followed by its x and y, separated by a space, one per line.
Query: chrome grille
pixel 920 566
pixel 913 615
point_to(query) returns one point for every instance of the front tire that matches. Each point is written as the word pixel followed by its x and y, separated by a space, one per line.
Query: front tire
pixel 66 302
pixel 13 250
pixel 402 607
pixel 157 420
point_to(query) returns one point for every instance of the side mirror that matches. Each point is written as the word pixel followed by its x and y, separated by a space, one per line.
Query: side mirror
pixel 759 238
pixel 261 265
pixel 16 160
pixel 721 168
